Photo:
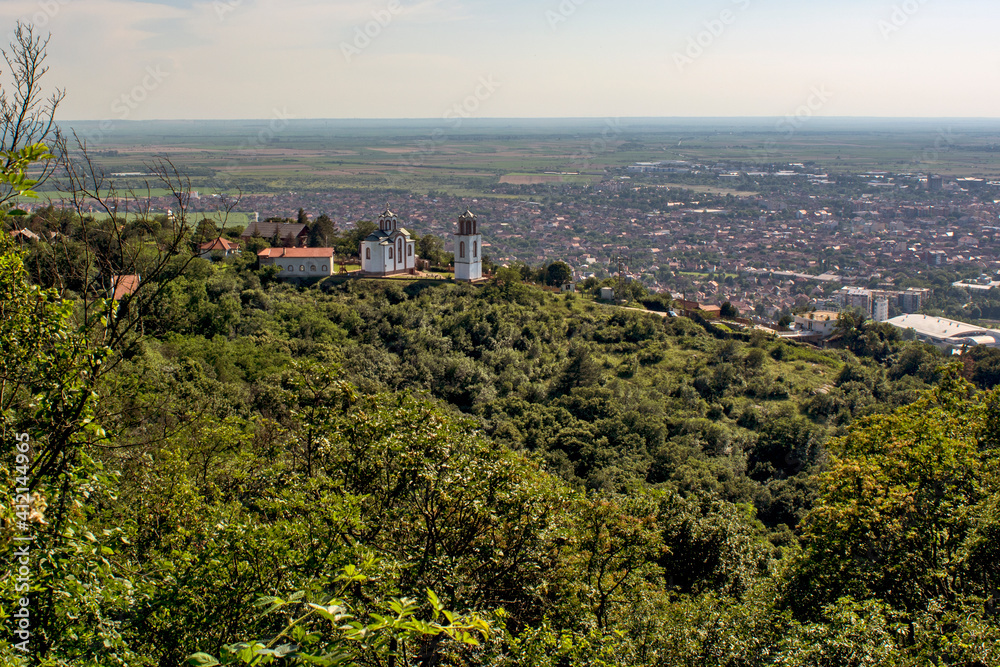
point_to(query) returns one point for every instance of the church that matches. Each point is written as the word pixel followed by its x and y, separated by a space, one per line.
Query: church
pixel 388 250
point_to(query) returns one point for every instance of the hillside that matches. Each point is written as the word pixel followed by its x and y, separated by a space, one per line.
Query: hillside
pixel 579 483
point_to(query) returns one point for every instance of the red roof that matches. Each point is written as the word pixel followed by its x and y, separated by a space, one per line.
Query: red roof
pixel 219 244
pixel 275 253
pixel 124 285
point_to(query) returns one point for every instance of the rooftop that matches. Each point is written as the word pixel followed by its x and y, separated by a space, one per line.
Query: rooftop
pixel 274 253
pixel 939 327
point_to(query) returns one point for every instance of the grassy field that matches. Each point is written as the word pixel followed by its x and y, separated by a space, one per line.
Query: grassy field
pixel 479 156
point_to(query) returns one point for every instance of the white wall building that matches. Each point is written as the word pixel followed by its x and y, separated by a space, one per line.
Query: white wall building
pixel 947 334
pixel 880 309
pixel 818 322
pixel 468 249
pixel 388 250
pixel 299 262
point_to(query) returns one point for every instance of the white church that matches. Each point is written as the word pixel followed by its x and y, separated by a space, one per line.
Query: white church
pixel 388 250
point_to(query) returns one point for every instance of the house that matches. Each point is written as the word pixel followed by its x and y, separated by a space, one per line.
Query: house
pixel 288 234
pixel 24 235
pixel 388 250
pixel 220 247
pixel 821 322
pixel 299 262
pixel 705 310
pixel 608 293
pixel 122 286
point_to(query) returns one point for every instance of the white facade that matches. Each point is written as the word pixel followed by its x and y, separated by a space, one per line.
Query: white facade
pixel 819 322
pixel 880 311
pixel 468 249
pixel 299 262
pixel 388 250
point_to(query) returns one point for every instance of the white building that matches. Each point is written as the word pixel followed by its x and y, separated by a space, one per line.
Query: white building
pixel 880 310
pixel 819 322
pixel 299 262
pixel 468 249
pixel 388 250
pixel 947 334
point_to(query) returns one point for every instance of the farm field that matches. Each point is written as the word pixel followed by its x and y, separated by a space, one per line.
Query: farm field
pixel 475 158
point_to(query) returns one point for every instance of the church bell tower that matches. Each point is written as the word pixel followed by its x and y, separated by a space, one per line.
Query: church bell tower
pixel 468 249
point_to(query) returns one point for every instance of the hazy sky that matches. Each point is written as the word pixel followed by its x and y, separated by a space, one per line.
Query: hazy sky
pixel 171 59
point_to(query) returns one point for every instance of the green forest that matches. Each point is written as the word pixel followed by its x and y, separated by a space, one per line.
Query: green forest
pixel 228 469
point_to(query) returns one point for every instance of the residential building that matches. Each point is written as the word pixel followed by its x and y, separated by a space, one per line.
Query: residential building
pixel 821 322
pixel 220 247
pixel 299 262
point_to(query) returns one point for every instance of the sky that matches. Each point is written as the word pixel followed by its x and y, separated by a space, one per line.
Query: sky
pixel 298 59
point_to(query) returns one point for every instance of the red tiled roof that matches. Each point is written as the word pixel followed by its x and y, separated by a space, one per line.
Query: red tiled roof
pixel 124 285
pixel 274 253
pixel 219 244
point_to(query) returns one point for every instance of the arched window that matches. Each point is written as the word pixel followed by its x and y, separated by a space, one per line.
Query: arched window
pixel 461 249
pixel 390 253
pixel 291 269
pixel 302 268
pixel 312 267
pixel 368 253
pixel 399 244
pixel 409 250
pixel 475 248
pixel 325 269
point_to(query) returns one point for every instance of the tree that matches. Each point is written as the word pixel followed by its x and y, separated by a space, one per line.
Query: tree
pixel 322 232
pixel 431 248
pixel 27 112
pixel 558 273
pixel 905 508
pixel 303 217
pixel 729 311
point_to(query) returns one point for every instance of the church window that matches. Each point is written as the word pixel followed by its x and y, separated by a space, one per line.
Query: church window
pixel 302 268
pixel 400 246
pixel 409 251
pixel 390 253
pixel 368 253
pixel 291 269
pixel 325 268
pixel 461 249
pixel 475 249
pixel 312 267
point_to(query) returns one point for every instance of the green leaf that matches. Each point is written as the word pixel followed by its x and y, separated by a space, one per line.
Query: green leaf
pixel 202 660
